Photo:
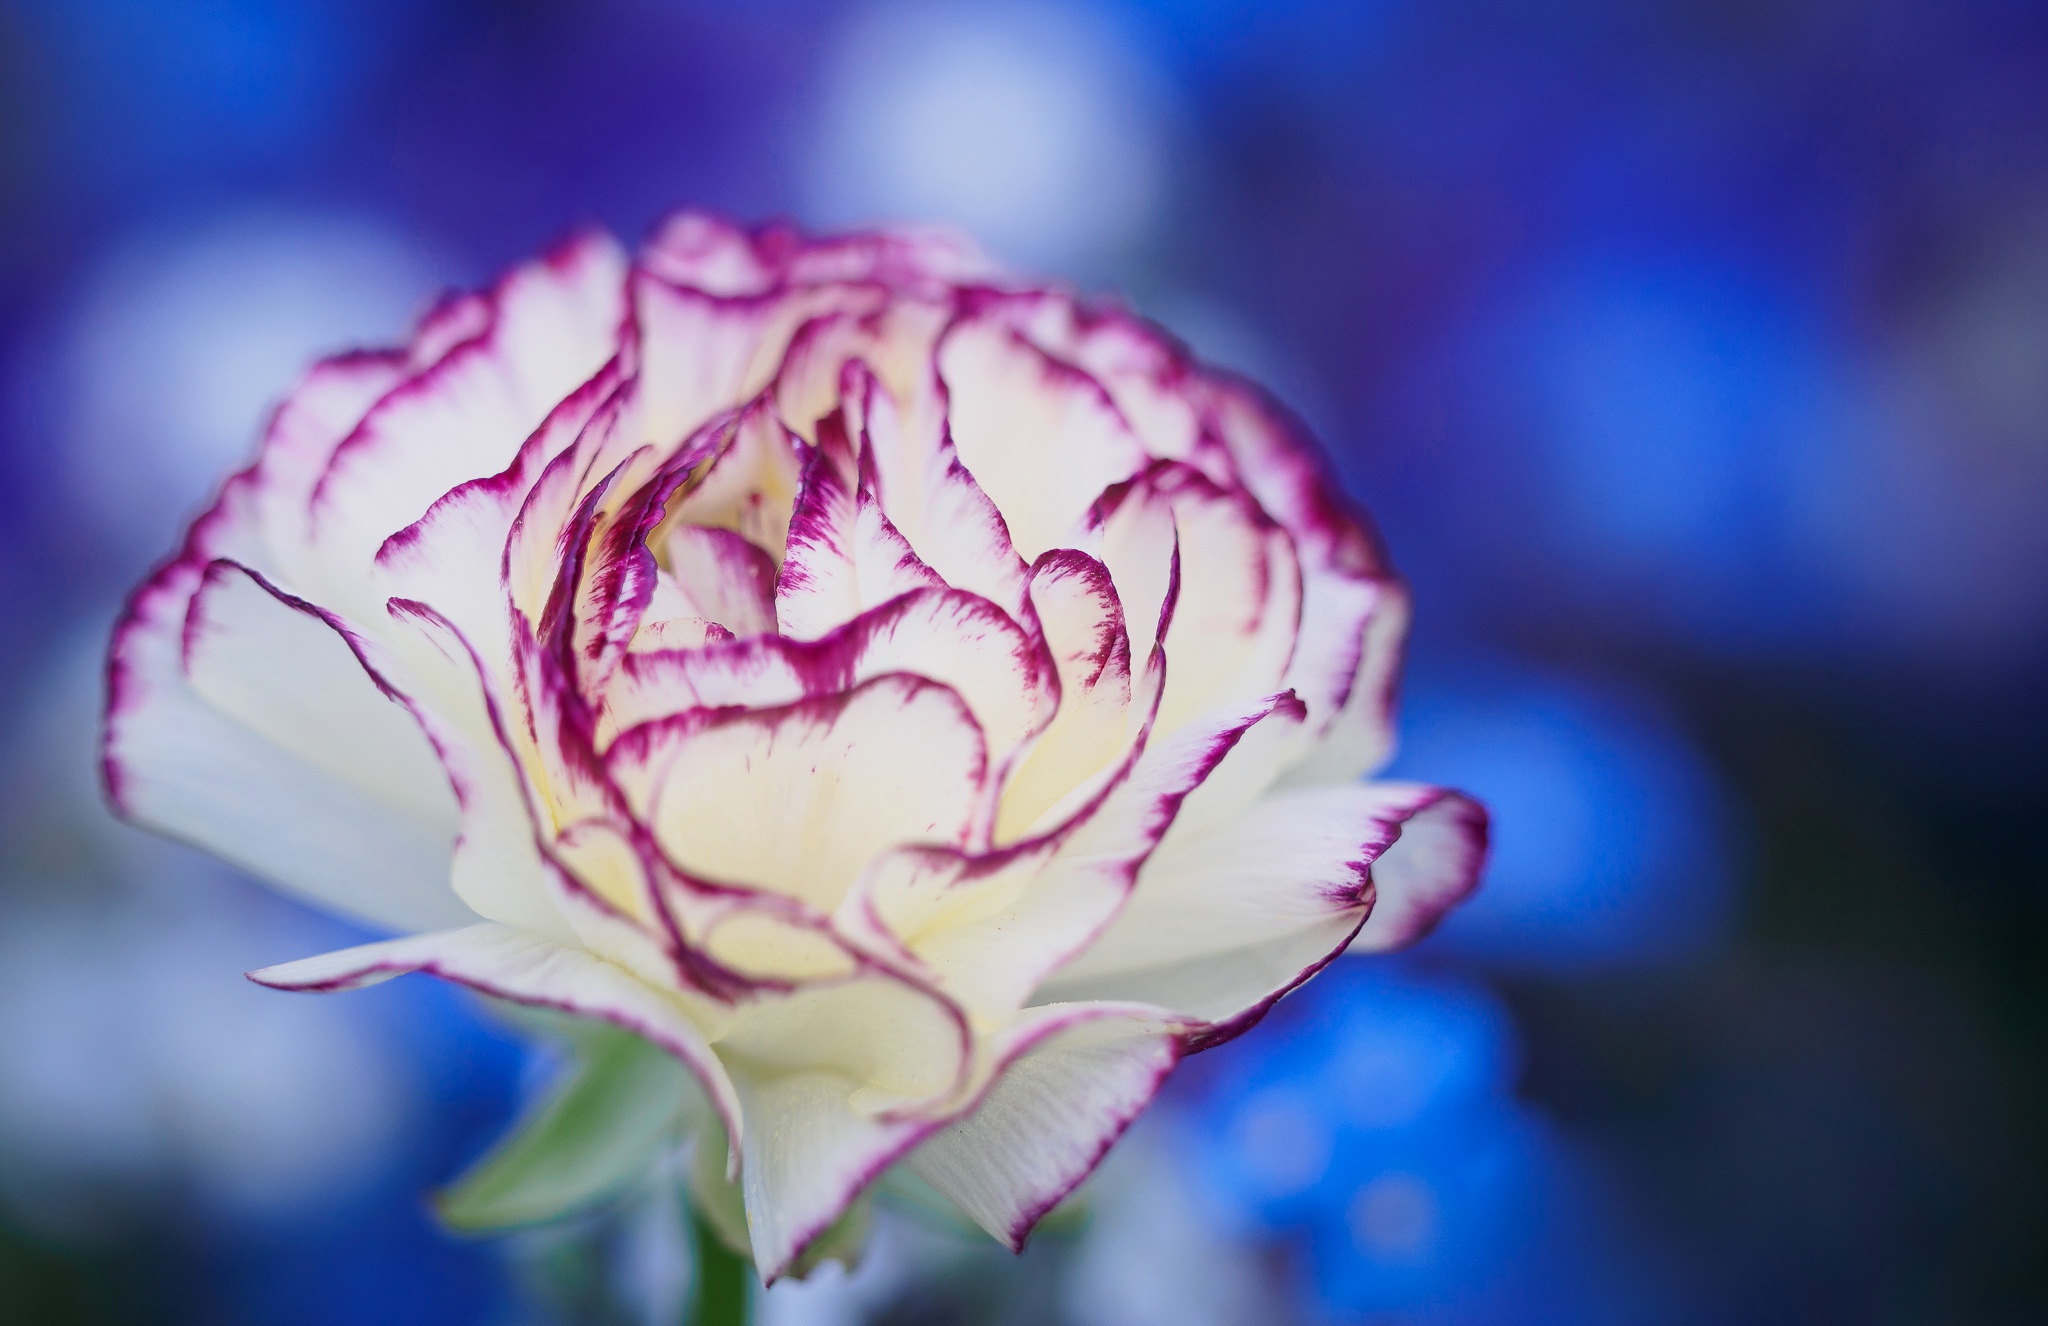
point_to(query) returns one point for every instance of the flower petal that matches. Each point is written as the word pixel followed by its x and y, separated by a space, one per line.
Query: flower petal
pixel 1359 736
pixel 821 1074
pixel 1240 605
pixel 554 325
pixel 510 963
pixel 724 578
pixel 844 556
pixel 1076 1076
pixel 798 799
pixel 993 928
pixel 1430 869
pixel 1285 472
pixel 1231 916
pixel 454 556
pixel 752 483
pixel 499 868
pixel 704 352
pixel 1294 860
pixel 944 635
pixel 241 720
pixel 1076 605
pixel 1040 437
pixel 321 411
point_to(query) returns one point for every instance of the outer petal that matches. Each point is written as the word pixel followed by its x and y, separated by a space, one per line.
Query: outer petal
pixel 526 969
pixel 555 324
pixel 239 719
pixel 1081 1074
pixel 1227 919
pixel 453 557
pixel 1290 863
pixel 1143 368
pixel 1287 476
pixel 1430 869
pixel 808 1154
pixel 321 411
pixel 992 927
pixel 499 869
pixel 1360 735
pixel 823 1075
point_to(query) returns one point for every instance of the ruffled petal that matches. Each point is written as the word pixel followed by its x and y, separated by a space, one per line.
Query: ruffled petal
pixel 244 721
pixel 844 555
pixel 992 928
pixel 954 638
pixel 723 578
pixel 1272 456
pixel 453 557
pixel 1432 867
pixel 703 352
pixel 499 867
pixel 1359 736
pixel 509 963
pixel 554 325
pixel 799 799
pixel 1082 622
pixel 829 1078
pixel 1040 437
pixel 1239 609
pixel 321 411
pixel 751 485
pixel 1076 1076
pixel 1231 916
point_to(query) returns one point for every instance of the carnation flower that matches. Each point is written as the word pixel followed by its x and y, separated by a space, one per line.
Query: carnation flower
pixel 923 704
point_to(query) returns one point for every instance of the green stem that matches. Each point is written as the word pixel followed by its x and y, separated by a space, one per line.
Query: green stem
pixel 721 1282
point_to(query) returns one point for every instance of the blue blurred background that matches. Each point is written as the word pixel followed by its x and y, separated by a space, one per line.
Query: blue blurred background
pixel 1694 358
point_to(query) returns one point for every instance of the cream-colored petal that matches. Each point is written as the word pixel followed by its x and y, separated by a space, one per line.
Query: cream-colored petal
pixel 799 799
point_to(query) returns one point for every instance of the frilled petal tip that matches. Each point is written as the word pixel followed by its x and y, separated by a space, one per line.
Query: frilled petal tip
pixel 1230 918
pixel 1433 866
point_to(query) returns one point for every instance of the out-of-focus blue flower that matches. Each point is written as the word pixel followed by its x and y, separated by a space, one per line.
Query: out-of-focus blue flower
pixel 149 90
pixel 184 337
pixel 1657 416
pixel 1611 838
pixel 1035 126
pixel 1373 1124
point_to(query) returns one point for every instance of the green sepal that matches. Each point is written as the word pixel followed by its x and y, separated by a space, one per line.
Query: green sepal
pixel 598 1131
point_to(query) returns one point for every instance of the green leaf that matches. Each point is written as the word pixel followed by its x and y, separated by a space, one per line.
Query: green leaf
pixel 600 1130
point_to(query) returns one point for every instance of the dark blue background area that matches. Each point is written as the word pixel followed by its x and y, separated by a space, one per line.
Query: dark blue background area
pixel 1693 359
